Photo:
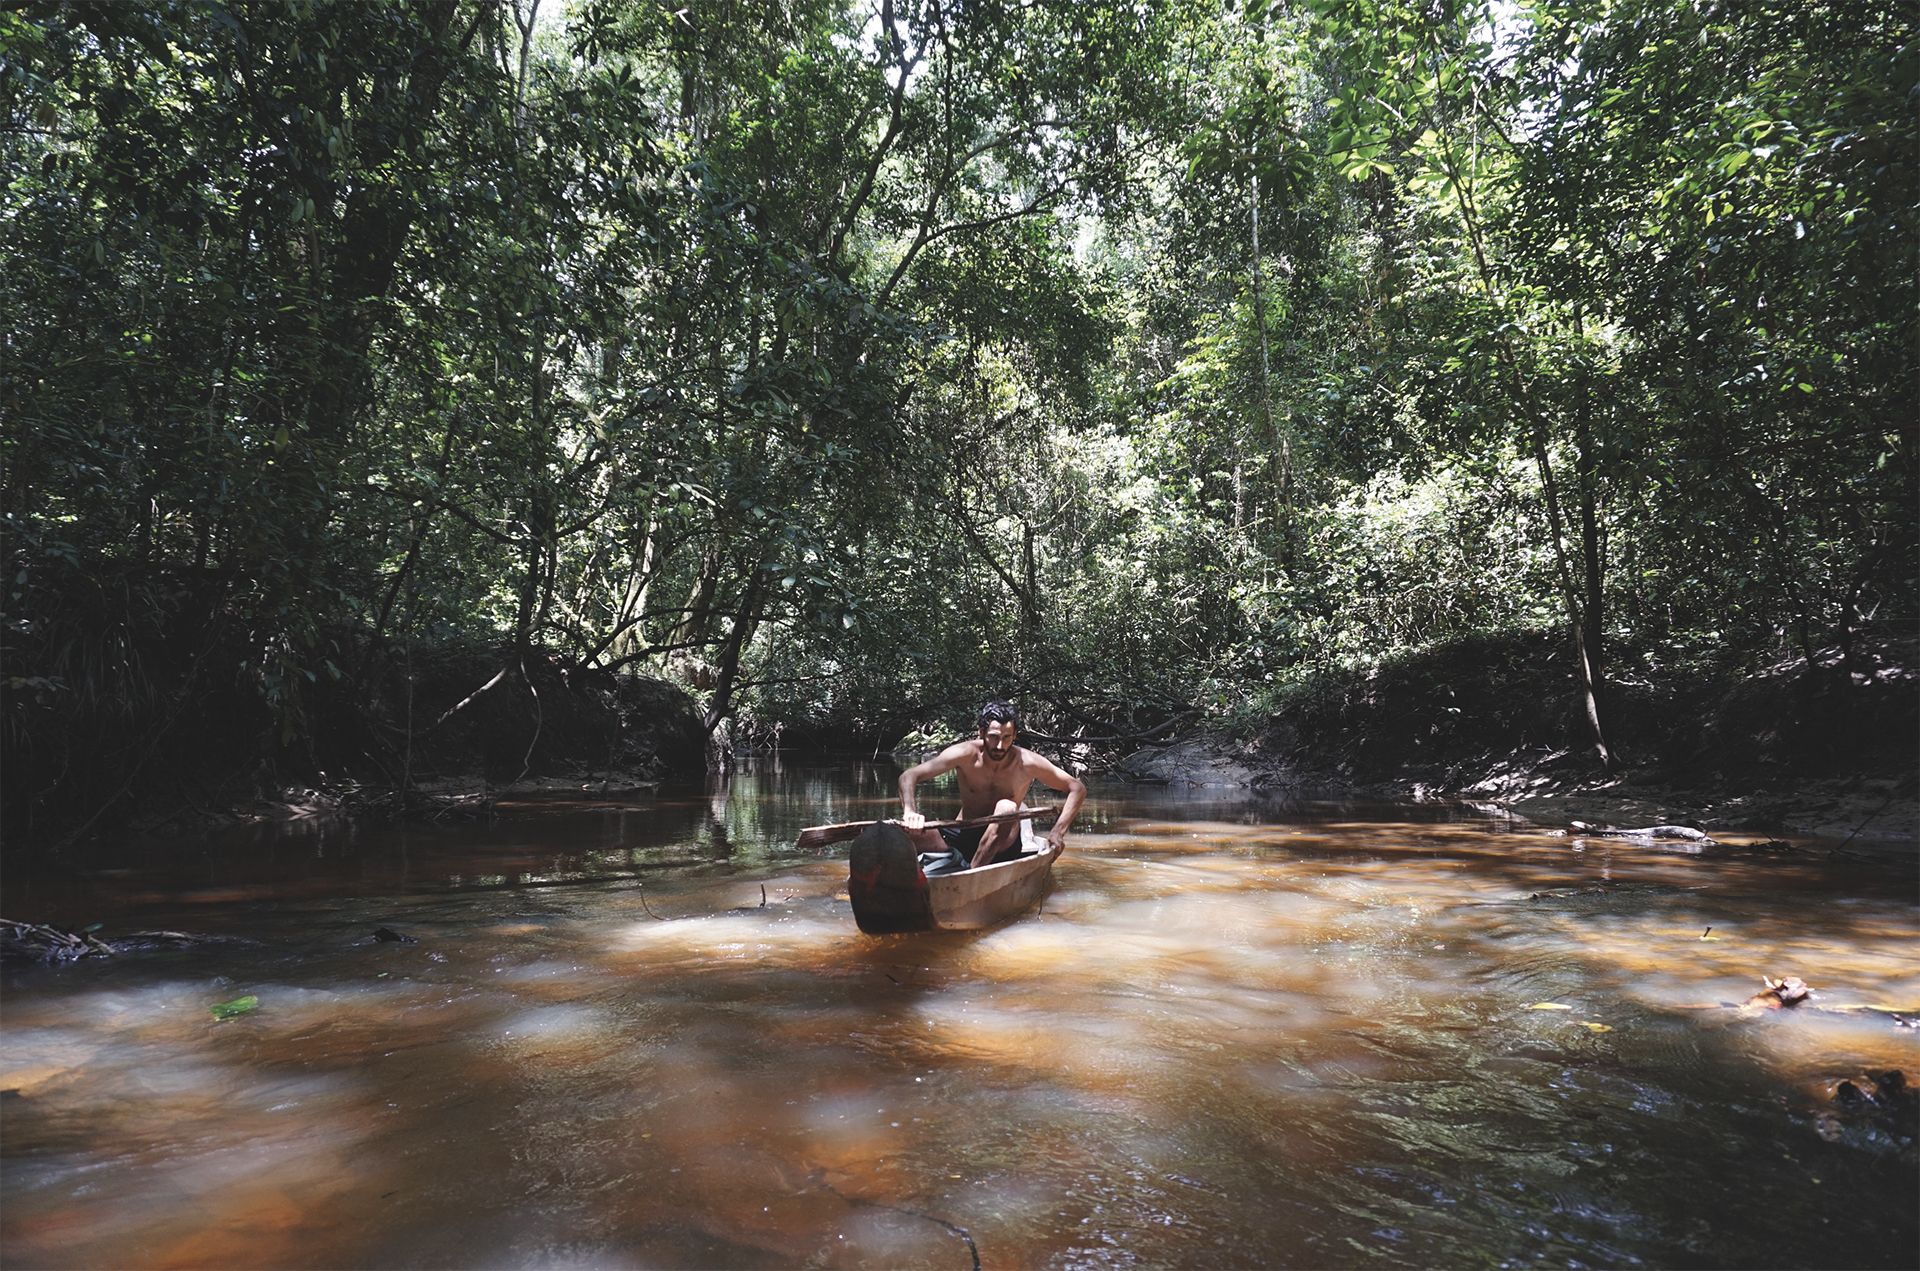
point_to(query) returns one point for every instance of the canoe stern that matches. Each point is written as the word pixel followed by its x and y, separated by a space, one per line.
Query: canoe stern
pixel 884 881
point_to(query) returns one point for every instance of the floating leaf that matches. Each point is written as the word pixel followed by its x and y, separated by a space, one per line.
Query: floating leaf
pixel 1592 1027
pixel 238 1006
pixel 1549 1006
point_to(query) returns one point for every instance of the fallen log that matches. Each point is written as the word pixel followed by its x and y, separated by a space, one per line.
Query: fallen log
pixel 1685 832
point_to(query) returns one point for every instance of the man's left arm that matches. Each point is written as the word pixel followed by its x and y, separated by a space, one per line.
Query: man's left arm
pixel 1054 777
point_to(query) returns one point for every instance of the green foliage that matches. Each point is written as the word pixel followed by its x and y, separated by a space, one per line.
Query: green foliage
pixel 238 1006
pixel 849 364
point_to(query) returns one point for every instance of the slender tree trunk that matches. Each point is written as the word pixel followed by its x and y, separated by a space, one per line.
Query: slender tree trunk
pixel 1279 447
pixel 693 625
pixel 745 620
pixel 1239 489
pixel 633 604
pixel 1586 671
pixel 1592 609
pixel 419 525
pixel 1030 597
pixel 524 19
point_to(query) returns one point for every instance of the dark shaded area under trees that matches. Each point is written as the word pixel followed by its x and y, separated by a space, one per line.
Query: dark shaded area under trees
pixel 837 363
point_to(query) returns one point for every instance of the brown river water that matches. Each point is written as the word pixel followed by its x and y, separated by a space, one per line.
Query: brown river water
pixel 1235 1034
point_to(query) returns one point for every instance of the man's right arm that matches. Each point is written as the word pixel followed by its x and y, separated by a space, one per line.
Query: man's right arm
pixel 946 761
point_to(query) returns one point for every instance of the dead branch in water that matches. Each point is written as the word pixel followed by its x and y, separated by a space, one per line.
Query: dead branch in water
pixel 40 942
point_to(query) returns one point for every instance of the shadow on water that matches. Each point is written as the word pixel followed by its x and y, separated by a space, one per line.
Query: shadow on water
pixel 529 841
pixel 1233 1034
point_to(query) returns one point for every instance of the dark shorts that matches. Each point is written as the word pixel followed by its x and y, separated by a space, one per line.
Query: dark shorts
pixel 963 839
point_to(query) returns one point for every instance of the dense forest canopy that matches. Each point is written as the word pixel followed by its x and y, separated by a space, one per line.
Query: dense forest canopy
pixel 846 361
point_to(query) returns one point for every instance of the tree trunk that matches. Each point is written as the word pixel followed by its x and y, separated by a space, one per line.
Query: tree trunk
pixel 379 214
pixel 745 620
pixel 630 640
pixel 693 624
pixel 1593 611
pixel 1030 596
pixel 1279 448
pixel 1585 670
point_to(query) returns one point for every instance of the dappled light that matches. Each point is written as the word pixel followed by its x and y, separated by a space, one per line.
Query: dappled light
pixel 502 500
pixel 1308 1041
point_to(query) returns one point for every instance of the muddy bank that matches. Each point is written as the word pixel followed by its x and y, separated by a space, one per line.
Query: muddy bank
pixel 1827 748
pixel 441 733
pixel 1862 809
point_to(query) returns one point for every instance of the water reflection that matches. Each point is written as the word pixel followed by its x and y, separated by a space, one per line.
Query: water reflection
pixel 1233 1034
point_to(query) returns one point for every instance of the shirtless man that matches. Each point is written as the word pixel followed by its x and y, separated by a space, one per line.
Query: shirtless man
pixel 994 775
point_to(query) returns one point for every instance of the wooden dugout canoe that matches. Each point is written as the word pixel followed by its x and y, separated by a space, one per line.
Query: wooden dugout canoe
pixel 891 893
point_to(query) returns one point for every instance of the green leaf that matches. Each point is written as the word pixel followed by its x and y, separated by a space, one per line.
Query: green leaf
pixel 238 1006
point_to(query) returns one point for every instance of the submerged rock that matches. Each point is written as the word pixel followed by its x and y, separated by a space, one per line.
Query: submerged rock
pixel 1876 1103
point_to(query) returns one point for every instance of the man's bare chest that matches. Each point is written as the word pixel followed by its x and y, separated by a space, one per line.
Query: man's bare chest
pixel 982 780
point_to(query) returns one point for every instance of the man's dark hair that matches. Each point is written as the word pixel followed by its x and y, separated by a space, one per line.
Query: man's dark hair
pixel 997 712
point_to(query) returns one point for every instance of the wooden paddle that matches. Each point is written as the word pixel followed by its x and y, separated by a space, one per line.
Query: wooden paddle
pixel 821 835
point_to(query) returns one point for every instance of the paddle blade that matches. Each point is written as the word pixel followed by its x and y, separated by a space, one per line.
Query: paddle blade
pixel 824 835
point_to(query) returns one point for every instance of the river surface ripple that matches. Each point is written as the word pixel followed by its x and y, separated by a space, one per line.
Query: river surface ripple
pixel 1234 1034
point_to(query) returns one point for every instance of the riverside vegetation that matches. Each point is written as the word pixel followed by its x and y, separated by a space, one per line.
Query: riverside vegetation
pixel 496 386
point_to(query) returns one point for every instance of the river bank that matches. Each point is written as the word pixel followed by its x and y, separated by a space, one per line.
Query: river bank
pixel 442 733
pixel 1545 790
pixel 1825 747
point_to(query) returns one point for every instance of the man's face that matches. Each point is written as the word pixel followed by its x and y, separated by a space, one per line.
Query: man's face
pixel 996 741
